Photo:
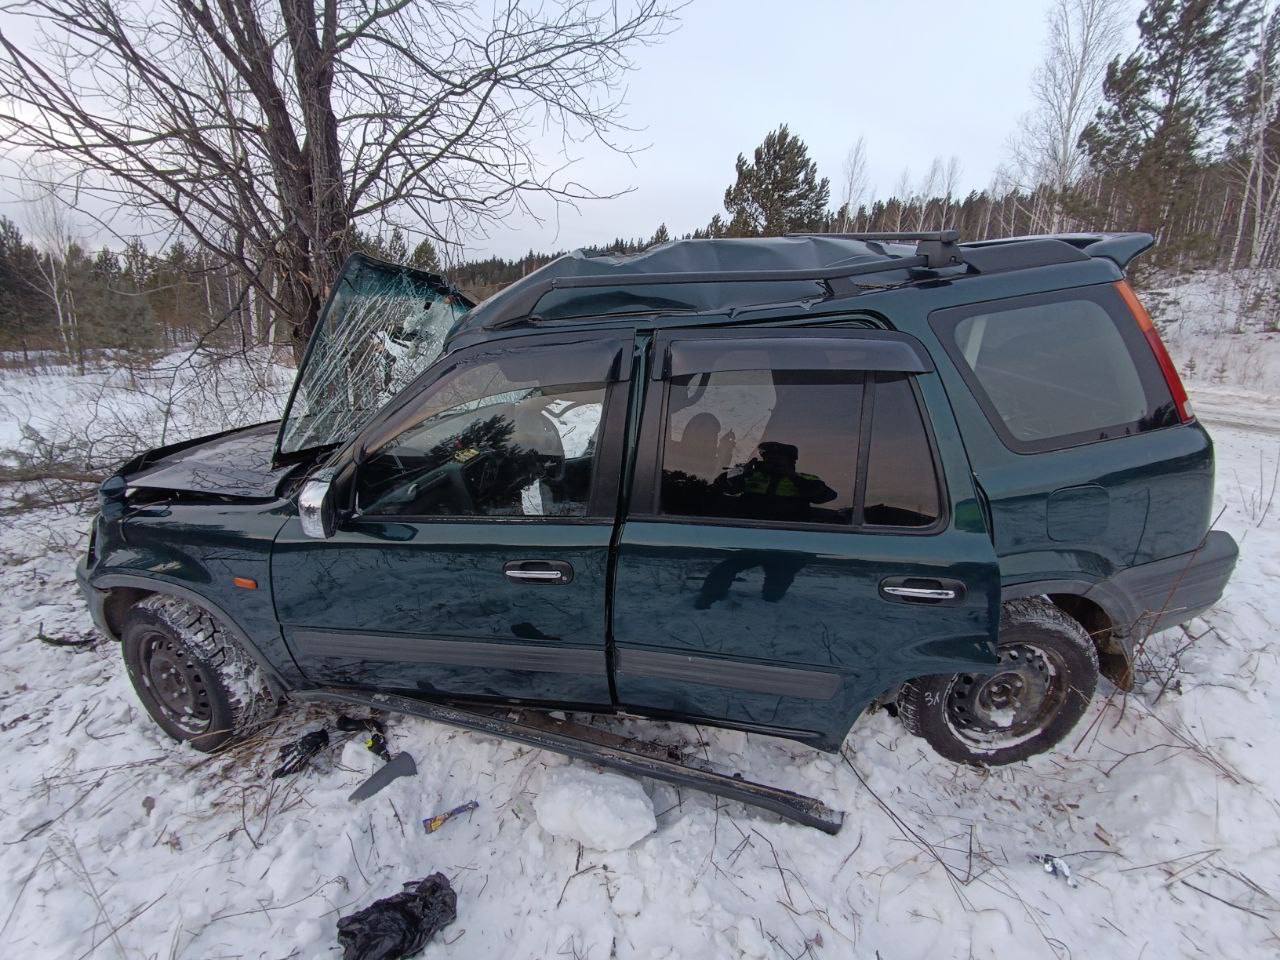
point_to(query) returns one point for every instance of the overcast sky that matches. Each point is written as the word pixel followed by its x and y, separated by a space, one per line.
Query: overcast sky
pixel 917 79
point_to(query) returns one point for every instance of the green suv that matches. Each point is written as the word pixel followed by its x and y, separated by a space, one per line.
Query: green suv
pixel 765 484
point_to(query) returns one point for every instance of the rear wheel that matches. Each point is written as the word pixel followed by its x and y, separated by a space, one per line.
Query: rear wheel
pixel 1046 677
pixel 197 683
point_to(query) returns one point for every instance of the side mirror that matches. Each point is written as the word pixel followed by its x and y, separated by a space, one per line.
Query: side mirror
pixel 111 497
pixel 315 506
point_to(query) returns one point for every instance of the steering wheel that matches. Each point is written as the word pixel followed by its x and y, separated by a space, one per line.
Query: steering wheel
pixel 428 497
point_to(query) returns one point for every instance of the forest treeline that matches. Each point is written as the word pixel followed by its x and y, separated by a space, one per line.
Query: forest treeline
pixel 1178 136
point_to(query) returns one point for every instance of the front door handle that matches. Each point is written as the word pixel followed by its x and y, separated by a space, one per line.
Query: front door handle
pixel 921 590
pixel 538 571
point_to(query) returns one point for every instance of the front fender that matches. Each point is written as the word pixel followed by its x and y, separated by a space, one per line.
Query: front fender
pixel 215 555
pixel 100 592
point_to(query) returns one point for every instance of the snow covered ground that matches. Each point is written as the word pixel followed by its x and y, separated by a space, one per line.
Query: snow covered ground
pixel 1163 805
pixel 104 414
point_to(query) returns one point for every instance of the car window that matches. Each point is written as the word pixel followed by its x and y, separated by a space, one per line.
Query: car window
pixel 902 486
pixel 486 446
pixel 1062 371
pixel 773 446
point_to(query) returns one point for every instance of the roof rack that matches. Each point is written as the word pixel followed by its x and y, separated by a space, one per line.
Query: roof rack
pixel 521 303
pixel 935 249
pixel 938 247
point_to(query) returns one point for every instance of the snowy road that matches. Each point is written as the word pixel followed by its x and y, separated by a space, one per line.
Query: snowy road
pixel 1163 804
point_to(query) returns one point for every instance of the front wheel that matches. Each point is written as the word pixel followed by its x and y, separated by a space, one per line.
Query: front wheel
pixel 193 678
pixel 1046 676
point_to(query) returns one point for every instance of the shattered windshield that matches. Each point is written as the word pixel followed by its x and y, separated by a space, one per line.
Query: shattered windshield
pixel 384 326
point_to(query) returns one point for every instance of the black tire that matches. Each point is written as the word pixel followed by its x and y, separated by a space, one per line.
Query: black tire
pixel 193 678
pixel 1049 674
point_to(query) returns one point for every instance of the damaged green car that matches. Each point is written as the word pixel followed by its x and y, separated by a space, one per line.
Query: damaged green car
pixel 765 484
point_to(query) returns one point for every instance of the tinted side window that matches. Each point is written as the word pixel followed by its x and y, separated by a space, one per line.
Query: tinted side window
pixel 484 445
pixel 902 487
pixel 1062 371
pixel 762 445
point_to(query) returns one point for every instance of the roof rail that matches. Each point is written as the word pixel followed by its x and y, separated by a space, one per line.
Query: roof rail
pixel 938 247
pixel 520 306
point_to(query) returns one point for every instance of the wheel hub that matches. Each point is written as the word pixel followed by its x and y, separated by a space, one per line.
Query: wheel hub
pixel 1017 700
pixel 179 684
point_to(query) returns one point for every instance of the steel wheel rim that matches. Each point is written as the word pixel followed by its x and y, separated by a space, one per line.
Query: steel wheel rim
pixel 179 686
pixel 1012 704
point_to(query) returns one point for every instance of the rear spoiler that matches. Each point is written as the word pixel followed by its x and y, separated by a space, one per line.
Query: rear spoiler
pixel 1120 248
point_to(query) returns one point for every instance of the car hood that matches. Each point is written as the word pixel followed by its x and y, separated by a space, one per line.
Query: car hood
pixel 236 463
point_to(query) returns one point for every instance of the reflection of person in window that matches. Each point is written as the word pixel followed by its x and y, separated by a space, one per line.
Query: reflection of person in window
pixel 768 487
pixel 779 569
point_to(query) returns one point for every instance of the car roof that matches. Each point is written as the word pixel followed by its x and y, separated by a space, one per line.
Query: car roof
pixel 685 278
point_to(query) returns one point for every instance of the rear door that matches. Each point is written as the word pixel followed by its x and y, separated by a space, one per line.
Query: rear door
pixel 474 562
pixel 801 537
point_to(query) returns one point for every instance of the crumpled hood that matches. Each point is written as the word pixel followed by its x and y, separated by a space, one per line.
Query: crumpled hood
pixel 236 463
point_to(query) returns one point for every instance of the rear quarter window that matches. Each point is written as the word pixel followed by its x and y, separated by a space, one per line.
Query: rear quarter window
pixel 1058 370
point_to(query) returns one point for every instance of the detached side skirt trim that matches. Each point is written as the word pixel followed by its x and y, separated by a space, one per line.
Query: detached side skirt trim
pixel 634 757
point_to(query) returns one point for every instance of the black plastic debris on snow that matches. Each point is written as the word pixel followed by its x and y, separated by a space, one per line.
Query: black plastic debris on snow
pixel 298 753
pixel 400 925
pixel 400 765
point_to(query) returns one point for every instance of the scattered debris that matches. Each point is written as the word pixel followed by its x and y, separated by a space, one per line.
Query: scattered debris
pixel 433 824
pixel 400 925
pixel 1057 867
pixel 298 753
pixel 401 765
pixel 376 742
pixel 85 640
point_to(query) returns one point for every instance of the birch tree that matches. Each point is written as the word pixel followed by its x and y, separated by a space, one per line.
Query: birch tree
pixel 1083 37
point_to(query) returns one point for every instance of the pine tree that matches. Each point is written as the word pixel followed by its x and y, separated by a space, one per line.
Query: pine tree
pixel 778 191
pixel 397 246
pixel 25 320
pixel 424 257
pixel 1166 106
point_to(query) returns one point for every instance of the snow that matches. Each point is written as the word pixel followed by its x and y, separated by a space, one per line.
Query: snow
pixel 1163 803
pixel 1212 340
pixel 602 811
pixel 103 413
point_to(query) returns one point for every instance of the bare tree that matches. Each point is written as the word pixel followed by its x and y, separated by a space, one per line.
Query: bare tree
pixel 50 228
pixel 902 193
pixel 950 183
pixel 265 129
pixel 926 191
pixel 854 184
pixel 1083 37
pixel 1256 161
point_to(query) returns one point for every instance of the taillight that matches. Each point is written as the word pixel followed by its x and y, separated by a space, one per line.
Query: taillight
pixel 1149 331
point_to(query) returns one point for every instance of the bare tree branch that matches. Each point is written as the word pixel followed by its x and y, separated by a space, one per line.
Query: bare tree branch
pixel 265 129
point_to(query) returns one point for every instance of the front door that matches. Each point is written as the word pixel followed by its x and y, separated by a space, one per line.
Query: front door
pixel 801 537
pixel 474 562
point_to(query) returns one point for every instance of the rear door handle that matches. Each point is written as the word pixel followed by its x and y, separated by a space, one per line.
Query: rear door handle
pixel 538 571
pixel 921 590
